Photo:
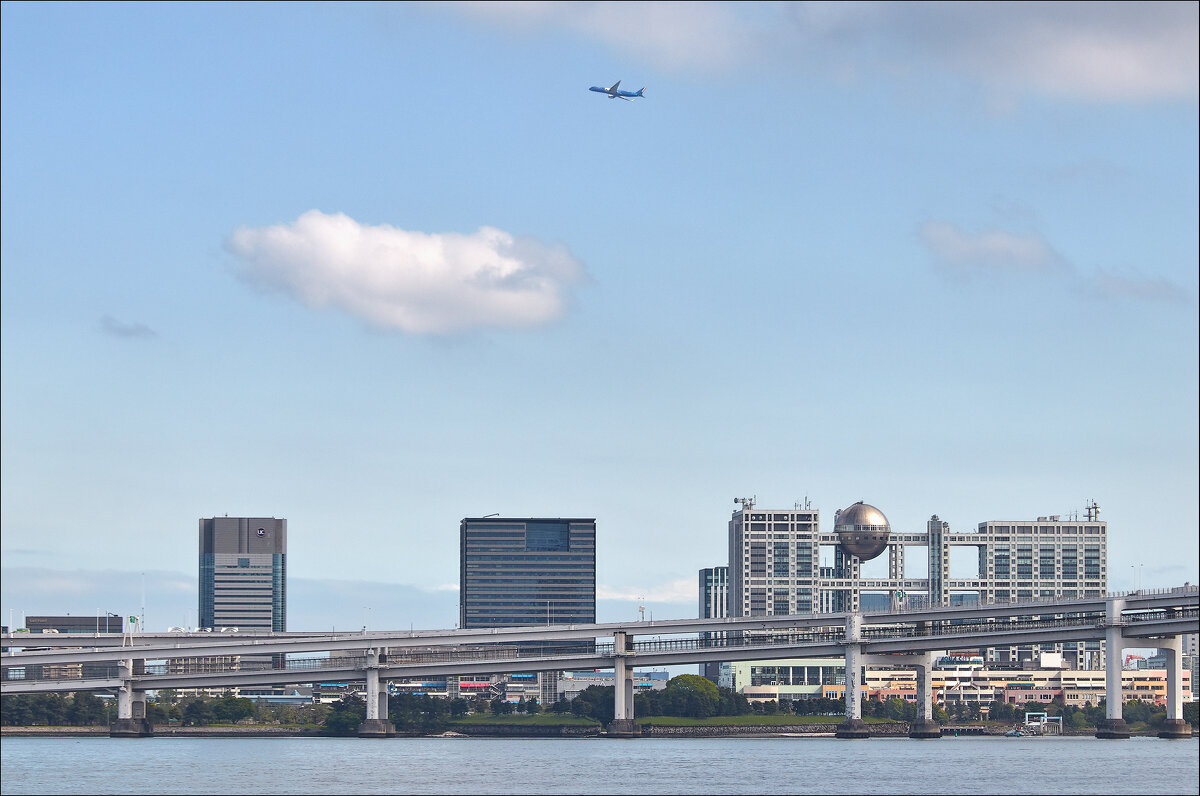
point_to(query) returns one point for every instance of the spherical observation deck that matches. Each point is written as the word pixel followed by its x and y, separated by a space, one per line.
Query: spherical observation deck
pixel 862 530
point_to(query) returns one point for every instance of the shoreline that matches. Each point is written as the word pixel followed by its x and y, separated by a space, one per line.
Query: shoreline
pixel 897 729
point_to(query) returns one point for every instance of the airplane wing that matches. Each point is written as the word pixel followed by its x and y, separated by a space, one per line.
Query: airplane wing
pixel 613 87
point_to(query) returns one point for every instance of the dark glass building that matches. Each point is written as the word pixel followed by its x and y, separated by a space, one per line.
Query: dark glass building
pixel 515 572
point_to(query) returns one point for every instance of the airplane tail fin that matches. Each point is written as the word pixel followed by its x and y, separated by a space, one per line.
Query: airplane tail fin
pixel 641 91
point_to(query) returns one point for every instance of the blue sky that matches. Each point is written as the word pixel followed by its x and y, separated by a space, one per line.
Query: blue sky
pixel 376 268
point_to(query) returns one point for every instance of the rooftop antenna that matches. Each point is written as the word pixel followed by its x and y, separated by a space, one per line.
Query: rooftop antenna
pixel 747 503
pixel 642 609
pixel 1092 511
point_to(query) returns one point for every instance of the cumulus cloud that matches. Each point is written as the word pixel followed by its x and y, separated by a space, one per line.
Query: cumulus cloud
pixel 958 253
pixel 415 282
pixel 1105 52
pixel 133 331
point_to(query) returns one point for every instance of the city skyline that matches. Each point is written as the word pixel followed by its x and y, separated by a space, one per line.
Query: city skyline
pixel 377 268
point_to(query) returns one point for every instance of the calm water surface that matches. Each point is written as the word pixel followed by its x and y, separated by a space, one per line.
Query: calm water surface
pixel 599 765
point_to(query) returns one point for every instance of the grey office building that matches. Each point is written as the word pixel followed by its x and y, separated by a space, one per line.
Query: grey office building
pixel 527 571
pixel 243 573
pixel 530 571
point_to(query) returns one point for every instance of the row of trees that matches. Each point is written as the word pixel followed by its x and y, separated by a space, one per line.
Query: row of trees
pixel 687 695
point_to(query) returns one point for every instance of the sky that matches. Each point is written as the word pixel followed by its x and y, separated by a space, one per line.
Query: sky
pixel 375 268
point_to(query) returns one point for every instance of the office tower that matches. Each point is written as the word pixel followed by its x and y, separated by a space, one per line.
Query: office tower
pixel 243 573
pixel 773 561
pixel 714 604
pixel 533 571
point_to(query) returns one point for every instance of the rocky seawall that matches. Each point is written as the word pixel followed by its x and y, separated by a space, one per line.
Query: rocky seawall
pixel 730 730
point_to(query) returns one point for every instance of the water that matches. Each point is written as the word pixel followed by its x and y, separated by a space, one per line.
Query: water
pixel 987 765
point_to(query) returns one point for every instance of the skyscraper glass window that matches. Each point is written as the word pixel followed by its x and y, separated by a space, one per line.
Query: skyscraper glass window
pixel 528 571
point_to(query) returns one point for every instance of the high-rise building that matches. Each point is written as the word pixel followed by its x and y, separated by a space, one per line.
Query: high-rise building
pixel 527 571
pixel 714 604
pixel 243 573
pixel 773 561
pixel 775 566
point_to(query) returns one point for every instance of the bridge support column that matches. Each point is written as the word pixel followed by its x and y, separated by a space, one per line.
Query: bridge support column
pixel 131 706
pixel 377 724
pixel 853 726
pixel 923 725
pixel 623 724
pixel 1113 725
pixel 1174 726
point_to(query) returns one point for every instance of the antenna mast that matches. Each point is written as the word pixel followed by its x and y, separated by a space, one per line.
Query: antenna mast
pixel 1092 511
pixel 747 503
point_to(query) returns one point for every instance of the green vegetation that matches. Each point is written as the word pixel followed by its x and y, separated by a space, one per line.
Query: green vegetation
pixel 688 700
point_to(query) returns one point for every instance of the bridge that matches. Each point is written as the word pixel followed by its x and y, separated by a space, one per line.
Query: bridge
pixel 134 663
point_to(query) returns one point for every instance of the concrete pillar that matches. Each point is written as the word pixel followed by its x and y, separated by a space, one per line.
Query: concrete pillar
pixel 623 724
pixel 131 705
pixel 1174 726
pixel 923 725
pixel 377 724
pixel 1112 725
pixel 853 726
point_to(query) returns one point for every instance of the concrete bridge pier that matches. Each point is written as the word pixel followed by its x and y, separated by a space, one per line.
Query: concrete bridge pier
pixel 1174 726
pixel 853 727
pixel 924 726
pixel 131 704
pixel 1113 725
pixel 623 724
pixel 377 724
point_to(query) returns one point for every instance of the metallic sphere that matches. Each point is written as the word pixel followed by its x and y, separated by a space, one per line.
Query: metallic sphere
pixel 862 530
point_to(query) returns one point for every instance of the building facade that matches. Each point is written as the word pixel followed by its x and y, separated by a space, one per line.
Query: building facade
pixel 517 572
pixel 529 571
pixel 243 573
pixel 775 566
pixel 714 604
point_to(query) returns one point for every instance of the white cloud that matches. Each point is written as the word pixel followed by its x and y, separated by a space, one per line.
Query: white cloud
pixel 682 590
pixel 673 35
pixel 995 252
pixel 416 282
pixel 1090 51
pixel 964 252
pixel 1105 52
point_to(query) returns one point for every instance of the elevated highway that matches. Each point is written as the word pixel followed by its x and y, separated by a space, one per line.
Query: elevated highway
pixel 143 662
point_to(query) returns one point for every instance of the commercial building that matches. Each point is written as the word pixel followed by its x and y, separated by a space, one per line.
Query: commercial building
pixel 775 565
pixel 527 571
pixel 74 625
pixel 714 604
pixel 243 573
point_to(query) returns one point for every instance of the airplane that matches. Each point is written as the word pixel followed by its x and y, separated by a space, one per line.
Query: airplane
pixel 614 93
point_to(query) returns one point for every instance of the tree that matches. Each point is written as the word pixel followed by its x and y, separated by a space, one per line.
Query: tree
pixel 691 695
pixel 346 715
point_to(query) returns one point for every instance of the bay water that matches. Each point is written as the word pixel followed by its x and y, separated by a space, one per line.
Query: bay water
pixel 775 765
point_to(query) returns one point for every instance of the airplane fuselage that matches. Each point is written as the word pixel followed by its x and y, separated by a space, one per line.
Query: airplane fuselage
pixel 614 92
